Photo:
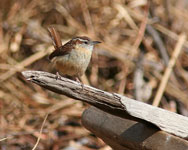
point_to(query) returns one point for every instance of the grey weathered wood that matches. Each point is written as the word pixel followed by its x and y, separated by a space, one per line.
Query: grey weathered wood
pixel 123 134
pixel 165 120
pixel 113 103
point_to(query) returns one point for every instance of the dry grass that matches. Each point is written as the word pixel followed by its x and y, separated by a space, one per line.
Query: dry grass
pixel 138 40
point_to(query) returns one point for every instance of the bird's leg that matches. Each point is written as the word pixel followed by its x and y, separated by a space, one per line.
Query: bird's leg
pixel 58 76
pixel 80 81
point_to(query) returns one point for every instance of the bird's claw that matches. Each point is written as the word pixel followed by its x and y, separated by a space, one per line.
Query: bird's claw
pixel 58 76
pixel 79 81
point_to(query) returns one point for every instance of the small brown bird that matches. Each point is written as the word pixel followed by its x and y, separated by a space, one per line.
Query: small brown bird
pixel 72 58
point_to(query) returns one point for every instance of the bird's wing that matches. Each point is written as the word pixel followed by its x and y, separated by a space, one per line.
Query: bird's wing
pixel 59 49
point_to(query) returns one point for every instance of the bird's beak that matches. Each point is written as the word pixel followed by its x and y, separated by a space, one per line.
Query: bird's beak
pixel 95 42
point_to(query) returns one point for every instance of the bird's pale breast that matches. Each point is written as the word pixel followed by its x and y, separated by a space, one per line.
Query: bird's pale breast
pixel 75 63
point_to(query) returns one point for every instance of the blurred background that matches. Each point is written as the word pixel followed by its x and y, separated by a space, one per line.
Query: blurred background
pixel 137 37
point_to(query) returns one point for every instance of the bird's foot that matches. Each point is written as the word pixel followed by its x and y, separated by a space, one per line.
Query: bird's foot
pixel 79 81
pixel 58 76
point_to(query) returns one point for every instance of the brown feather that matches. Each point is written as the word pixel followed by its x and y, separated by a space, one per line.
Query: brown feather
pixel 63 50
pixel 55 37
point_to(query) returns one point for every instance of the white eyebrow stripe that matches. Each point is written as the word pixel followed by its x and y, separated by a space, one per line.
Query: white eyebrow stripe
pixel 84 40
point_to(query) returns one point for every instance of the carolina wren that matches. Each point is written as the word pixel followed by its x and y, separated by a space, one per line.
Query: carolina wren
pixel 72 58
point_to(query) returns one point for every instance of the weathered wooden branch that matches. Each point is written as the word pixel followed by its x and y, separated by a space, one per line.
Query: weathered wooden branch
pixel 113 103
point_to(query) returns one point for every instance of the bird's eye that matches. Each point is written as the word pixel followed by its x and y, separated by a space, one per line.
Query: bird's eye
pixel 86 42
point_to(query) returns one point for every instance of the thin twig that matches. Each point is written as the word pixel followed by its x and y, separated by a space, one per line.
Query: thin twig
pixel 162 49
pixel 159 43
pixel 168 70
pixel 87 17
pixel 9 137
pixel 40 132
pixel 169 33
pixel 20 66
pixel 142 28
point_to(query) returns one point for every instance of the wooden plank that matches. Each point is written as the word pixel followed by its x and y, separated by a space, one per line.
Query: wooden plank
pixel 167 121
pixel 113 103
pixel 123 134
